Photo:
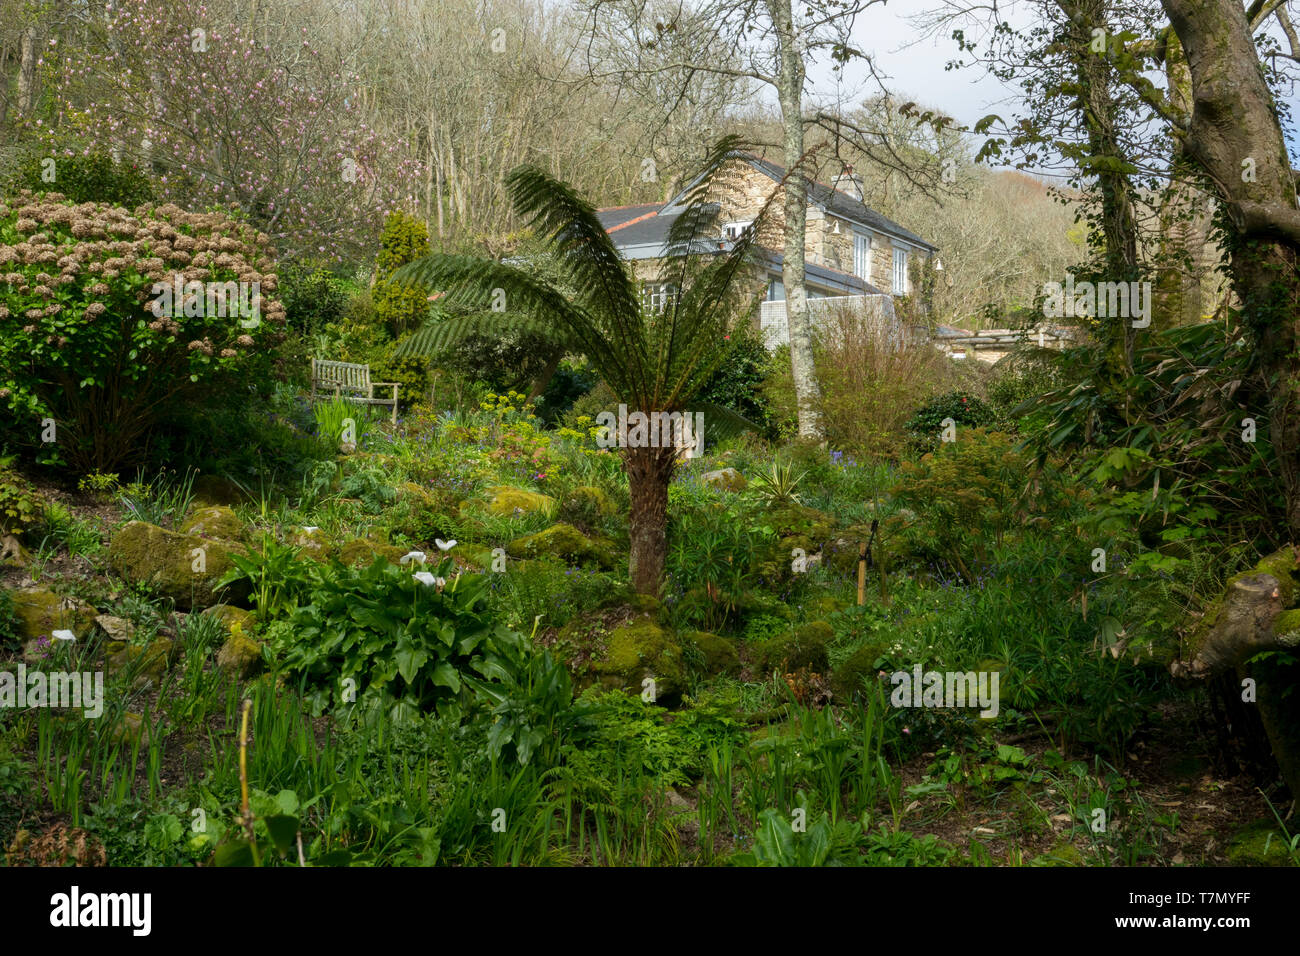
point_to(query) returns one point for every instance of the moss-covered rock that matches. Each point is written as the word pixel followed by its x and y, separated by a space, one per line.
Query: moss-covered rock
pixel 791 519
pixel 562 541
pixel 312 544
pixel 802 647
pixel 40 612
pixel 638 650
pixel 1063 854
pixel 215 521
pixel 148 663
pixel 474 557
pixel 506 501
pixel 586 505
pixel 129 728
pixel 230 616
pixel 857 672
pixel 1287 628
pixel 1282 565
pixel 727 479
pixel 1261 843
pixel 182 567
pixel 718 653
pixel 363 551
pixel 240 656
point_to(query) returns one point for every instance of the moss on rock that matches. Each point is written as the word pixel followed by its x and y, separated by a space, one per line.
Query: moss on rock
pixel 858 671
pixel 40 612
pixel 364 551
pixel 1261 843
pixel 727 479
pixel 147 663
pixel 229 615
pixel 216 521
pixel 182 567
pixel 506 501
pixel 561 541
pixel 719 653
pixel 240 656
pixel 638 650
pixel 802 647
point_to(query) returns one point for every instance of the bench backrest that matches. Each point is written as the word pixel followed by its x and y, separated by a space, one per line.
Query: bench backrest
pixel 344 374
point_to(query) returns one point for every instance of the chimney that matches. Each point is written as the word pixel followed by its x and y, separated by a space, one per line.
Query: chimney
pixel 848 183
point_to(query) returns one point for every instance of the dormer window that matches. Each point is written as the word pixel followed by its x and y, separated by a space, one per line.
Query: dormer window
pixel 734 230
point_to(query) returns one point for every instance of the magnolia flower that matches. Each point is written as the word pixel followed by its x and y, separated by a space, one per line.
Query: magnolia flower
pixel 416 556
pixel 444 545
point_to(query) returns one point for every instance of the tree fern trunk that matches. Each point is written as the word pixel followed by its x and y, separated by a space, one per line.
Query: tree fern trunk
pixel 649 471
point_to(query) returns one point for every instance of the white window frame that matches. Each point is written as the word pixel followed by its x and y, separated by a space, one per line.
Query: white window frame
pixel 862 269
pixel 734 230
pixel 900 271
pixel 657 295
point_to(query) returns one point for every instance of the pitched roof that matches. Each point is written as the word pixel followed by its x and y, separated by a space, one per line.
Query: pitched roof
pixel 839 203
pixel 646 228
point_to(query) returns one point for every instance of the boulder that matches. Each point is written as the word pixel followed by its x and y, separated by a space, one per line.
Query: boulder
pixel 240 656
pixel 231 616
pixel 562 541
pixel 39 612
pixel 506 501
pixel 719 653
pixel 148 662
pixel 216 521
pixel 116 630
pixel 363 551
pixel 728 479
pixel 638 650
pixel 802 647
pixel 587 505
pixel 858 671
pixel 182 567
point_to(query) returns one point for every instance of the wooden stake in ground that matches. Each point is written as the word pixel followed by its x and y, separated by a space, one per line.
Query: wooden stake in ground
pixel 862 573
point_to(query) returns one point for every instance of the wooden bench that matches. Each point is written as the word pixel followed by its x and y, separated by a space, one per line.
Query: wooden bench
pixel 350 382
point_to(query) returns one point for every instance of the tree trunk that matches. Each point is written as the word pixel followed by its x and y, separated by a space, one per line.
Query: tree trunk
pixel 1248 621
pixel 1096 106
pixel 1234 136
pixel 1184 216
pixel 649 471
pixel 790 82
pixel 27 72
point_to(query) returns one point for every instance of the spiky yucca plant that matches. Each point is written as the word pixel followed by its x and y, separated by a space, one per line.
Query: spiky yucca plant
pixel 653 361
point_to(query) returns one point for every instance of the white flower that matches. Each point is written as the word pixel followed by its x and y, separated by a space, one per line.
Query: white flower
pixel 444 545
pixel 310 528
pixel 64 636
pixel 416 556
pixel 425 578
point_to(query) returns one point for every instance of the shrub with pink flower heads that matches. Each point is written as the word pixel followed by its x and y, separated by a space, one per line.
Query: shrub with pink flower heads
pixel 97 352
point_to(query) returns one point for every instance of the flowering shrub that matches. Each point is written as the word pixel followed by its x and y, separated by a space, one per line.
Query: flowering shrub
pixel 81 337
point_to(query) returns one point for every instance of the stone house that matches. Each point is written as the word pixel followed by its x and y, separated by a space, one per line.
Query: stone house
pixel 853 253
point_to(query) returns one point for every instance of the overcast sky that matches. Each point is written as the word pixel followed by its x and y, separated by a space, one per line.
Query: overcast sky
pixel 915 66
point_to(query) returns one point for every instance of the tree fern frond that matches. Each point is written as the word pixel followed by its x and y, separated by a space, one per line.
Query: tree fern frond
pixel 439 334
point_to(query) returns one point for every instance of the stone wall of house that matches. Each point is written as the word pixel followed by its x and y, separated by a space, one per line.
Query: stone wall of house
pixel 742 191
